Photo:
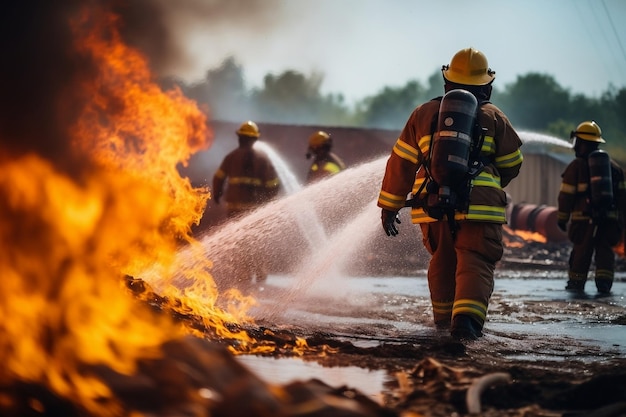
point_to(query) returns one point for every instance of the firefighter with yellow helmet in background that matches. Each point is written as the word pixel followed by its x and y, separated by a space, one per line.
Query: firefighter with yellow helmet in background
pixel 247 179
pixel 325 162
pixel 461 220
pixel 592 199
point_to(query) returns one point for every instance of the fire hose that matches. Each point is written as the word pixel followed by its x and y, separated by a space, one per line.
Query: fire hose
pixel 479 385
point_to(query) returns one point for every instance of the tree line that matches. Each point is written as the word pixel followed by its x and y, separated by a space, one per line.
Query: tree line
pixel 534 102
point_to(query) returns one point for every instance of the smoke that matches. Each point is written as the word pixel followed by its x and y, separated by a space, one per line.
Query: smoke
pixel 39 95
pixel 40 68
pixel 164 30
pixel 74 95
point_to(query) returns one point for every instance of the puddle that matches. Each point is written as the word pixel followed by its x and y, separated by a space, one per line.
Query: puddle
pixel 286 370
pixel 531 320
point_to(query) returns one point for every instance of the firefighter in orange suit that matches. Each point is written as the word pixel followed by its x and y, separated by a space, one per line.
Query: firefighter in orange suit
pixel 594 225
pixel 325 162
pixel 461 269
pixel 247 179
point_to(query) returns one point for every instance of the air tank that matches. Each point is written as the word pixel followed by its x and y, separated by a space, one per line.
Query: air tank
pixel 600 180
pixel 453 137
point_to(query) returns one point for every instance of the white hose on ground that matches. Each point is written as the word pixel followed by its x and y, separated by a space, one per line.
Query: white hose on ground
pixel 479 385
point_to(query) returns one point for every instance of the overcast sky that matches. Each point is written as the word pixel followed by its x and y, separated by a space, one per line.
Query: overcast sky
pixel 360 46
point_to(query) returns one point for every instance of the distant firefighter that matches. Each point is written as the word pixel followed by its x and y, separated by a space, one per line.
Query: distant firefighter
pixel 325 162
pixel 251 180
pixel 593 200
pixel 249 175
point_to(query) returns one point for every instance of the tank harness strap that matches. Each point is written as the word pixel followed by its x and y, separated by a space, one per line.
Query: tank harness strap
pixel 476 162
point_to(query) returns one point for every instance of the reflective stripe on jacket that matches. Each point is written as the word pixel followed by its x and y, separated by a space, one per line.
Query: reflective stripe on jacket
pixel 325 166
pixel 404 173
pixel 249 177
pixel 574 196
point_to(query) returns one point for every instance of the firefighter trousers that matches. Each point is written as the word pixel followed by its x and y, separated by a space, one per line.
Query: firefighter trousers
pixel 589 238
pixel 461 270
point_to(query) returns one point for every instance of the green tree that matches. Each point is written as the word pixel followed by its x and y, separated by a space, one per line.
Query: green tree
pixel 435 86
pixel 533 101
pixel 391 107
pixel 582 108
pixel 223 91
pixel 560 128
pixel 291 97
pixel 611 111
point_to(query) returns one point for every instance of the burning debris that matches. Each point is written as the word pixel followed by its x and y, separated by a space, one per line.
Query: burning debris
pixel 90 197
pixel 90 193
pixel 191 377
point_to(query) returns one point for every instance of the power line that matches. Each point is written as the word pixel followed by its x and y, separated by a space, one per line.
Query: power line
pixel 593 34
pixel 619 42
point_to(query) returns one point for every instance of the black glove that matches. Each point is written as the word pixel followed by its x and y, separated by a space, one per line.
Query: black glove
pixel 390 218
pixel 562 225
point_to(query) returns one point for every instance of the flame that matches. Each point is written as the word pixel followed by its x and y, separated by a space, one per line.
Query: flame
pixel 620 249
pixel 68 241
pixel 132 125
pixel 65 306
pixel 519 238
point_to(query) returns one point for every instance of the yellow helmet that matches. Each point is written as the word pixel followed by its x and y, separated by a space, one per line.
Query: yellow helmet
pixel 589 131
pixel 249 129
pixel 319 139
pixel 469 67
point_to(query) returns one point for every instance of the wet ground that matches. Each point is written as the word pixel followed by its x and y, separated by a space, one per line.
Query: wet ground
pixel 564 353
pixel 545 351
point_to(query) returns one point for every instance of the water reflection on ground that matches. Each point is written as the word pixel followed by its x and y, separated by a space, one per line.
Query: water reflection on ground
pixel 531 318
pixel 287 370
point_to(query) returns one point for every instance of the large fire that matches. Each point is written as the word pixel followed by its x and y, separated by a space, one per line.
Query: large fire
pixel 70 234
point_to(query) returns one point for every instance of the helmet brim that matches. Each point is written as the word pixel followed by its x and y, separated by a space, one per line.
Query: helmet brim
pixel 457 78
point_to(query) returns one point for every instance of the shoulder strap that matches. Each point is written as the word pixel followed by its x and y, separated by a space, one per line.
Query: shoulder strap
pixel 478 138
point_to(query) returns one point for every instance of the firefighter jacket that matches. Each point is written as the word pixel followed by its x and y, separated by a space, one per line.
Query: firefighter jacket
pixel 324 166
pixel 251 176
pixel 574 201
pixel 500 153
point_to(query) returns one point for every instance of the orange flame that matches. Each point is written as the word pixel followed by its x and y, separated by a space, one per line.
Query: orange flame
pixel 66 306
pixel 519 238
pixel 67 244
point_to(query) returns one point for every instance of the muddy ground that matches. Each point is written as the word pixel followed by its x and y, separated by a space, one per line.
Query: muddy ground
pixel 431 373
pixel 537 343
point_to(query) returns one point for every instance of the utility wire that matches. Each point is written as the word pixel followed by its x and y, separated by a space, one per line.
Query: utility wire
pixel 593 34
pixel 619 41
pixel 600 26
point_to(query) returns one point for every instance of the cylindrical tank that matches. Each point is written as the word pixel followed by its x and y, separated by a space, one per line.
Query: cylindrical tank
pixel 453 137
pixel 537 218
pixel 600 180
